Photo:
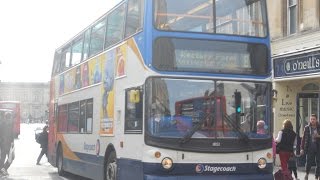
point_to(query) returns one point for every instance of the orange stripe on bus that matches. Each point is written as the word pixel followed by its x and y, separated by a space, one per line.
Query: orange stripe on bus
pixel 132 44
pixel 67 152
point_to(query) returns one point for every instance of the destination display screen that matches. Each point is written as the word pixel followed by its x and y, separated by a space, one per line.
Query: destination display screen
pixel 189 59
pixel 171 54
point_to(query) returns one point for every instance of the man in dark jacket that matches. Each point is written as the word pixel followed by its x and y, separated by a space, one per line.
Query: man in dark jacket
pixel 43 141
pixel 310 145
pixel 6 140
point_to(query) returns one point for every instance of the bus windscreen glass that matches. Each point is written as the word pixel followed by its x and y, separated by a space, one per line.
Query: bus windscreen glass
pixel 207 109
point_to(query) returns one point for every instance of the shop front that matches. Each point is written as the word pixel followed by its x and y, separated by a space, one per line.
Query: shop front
pixel 296 88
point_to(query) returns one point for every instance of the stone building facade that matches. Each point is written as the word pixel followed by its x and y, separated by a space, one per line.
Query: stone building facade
pixel 295 40
pixel 34 98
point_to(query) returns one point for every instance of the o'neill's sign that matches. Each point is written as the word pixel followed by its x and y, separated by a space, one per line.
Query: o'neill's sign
pixel 297 65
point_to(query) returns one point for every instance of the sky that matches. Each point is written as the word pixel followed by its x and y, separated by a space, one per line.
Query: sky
pixel 31 30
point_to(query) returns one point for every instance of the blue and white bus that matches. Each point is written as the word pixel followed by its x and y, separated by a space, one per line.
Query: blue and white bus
pixel 165 89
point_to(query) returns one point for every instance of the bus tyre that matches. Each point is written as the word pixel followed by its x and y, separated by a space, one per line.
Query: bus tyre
pixel 61 172
pixel 111 167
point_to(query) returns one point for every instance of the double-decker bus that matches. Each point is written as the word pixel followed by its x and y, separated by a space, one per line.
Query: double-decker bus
pixel 15 107
pixel 165 89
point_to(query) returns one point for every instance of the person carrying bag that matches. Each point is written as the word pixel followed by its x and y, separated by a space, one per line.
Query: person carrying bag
pixel 285 142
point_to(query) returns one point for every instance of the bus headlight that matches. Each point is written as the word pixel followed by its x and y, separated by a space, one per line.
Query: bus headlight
pixel 167 163
pixel 262 163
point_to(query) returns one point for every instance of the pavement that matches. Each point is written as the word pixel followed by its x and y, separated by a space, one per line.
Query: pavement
pixel 301 173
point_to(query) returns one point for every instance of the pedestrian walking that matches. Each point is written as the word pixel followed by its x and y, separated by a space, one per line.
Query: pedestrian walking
pixel 292 165
pixel 6 141
pixel 310 145
pixel 285 142
pixel 43 141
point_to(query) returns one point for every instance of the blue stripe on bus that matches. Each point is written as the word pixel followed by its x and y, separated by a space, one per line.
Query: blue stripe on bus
pixel 83 168
pixel 140 42
pixel 216 177
pixel 136 170
pixel 90 158
pixel 91 166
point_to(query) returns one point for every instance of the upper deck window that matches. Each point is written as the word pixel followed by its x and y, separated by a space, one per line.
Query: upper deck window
pixel 97 37
pixel 240 17
pixel 134 17
pixel 77 51
pixel 66 58
pixel 115 26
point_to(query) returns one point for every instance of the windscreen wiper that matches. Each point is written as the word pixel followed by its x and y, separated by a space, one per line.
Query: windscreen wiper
pixel 243 135
pixel 186 138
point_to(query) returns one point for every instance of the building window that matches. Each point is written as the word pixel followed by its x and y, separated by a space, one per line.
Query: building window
pixel 292 16
pixel 36 97
pixel 310 87
pixel 25 97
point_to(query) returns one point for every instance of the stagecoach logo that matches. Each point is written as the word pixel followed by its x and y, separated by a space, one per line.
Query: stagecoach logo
pixel 89 147
pixel 200 168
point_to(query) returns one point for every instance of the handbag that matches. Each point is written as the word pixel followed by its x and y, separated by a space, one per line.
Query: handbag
pixel 278 175
pixel 278 148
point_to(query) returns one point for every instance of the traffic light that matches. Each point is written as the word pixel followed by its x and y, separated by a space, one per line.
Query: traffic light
pixel 237 102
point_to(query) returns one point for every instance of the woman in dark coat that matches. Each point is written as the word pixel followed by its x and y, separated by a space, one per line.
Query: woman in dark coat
pixel 285 142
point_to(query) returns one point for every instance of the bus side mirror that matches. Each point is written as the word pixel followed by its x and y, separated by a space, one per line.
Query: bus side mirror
pixel 134 96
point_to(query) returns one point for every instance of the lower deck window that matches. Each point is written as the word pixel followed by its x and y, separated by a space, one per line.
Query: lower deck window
pixel 76 117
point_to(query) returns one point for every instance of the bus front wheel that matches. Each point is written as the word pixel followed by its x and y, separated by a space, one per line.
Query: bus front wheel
pixel 61 172
pixel 111 167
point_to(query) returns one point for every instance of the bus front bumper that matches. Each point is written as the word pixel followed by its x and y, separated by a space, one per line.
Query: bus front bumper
pixel 218 177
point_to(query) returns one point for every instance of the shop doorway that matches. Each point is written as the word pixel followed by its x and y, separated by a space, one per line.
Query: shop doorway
pixel 307 104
